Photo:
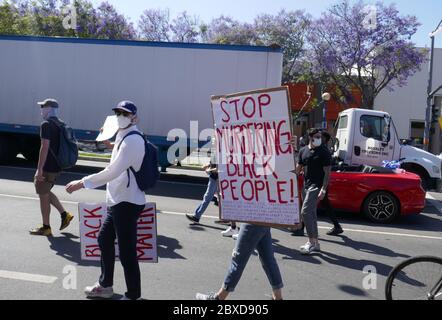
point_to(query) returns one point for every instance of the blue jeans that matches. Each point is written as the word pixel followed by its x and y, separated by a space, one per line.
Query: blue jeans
pixel 253 237
pixel 212 188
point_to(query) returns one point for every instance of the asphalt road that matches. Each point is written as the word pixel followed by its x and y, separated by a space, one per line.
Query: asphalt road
pixel 195 258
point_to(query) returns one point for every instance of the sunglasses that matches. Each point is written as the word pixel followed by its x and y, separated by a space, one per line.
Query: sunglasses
pixel 121 113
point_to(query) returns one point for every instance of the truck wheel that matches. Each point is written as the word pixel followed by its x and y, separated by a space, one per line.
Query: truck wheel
pixel 8 150
pixel 381 207
pixel 425 178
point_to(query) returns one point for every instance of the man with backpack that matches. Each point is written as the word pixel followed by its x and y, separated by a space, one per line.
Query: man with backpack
pixel 48 168
pixel 125 199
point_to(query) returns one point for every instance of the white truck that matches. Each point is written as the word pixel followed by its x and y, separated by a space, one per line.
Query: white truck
pixel 369 137
pixel 171 83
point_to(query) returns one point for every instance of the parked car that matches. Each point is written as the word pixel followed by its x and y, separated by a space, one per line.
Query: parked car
pixel 381 194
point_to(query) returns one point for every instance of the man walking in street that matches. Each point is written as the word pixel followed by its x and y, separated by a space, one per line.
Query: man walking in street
pixel 48 170
pixel 125 202
pixel 315 161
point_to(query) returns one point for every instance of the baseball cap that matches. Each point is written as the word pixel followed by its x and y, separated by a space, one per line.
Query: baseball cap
pixel 127 106
pixel 48 103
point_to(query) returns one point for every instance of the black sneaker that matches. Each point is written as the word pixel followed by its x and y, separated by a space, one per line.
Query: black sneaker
pixel 335 231
pixel 192 218
pixel 298 233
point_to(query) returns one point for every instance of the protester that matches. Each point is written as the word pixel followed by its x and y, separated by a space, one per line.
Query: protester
pixel 211 191
pixel 250 237
pixel 48 170
pixel 315 161
pixel 337 229
pixel 125 202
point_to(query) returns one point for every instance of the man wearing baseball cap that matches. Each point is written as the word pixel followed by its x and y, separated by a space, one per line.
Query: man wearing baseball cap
pixel 125 202
pixel 48 169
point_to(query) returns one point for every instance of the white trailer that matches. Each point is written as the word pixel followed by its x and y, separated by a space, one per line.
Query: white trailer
pixel 171 83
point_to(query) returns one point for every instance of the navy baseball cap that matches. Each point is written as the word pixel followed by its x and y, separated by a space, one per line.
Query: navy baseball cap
pixel 127 106
pixel 52 103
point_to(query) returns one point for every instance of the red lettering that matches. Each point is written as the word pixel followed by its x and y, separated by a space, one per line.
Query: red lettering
pixel 280 191
pixel 249 115
pixel 93 234
pixel 224 186
pixel 243 192
pixel 262 103
pixel 235 102
pixel 92 213
pixel 225 112
pixel 92 227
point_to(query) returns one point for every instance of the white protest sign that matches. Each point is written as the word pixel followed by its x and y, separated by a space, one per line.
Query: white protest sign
pixel 92 217
pixel 255 158
pixel 110 128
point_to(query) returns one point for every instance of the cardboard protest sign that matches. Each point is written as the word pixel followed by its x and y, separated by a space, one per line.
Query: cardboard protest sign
pixel 92 216
pixel 110 128
pixel 255 158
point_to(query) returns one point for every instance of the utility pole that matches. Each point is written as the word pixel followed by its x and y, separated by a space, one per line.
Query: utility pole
pixel 429 89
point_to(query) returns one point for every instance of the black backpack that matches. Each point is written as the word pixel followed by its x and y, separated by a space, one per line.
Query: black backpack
pixel 67 155
pixel 148 174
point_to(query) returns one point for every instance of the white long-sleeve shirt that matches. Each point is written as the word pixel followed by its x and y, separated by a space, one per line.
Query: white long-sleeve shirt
pixel 130 154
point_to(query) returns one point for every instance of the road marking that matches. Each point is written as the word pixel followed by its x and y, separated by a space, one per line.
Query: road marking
pixel 32 198
pixel 435 203
pixel 328 228
pixel 27 277
pixel 216 217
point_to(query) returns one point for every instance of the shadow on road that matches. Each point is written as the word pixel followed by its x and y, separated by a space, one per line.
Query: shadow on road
pixel 366 247
pixel 68 247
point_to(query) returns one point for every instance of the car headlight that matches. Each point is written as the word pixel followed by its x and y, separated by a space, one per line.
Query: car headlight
pixel 436 169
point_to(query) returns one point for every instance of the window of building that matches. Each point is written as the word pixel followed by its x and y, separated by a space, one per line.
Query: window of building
pixel 417 133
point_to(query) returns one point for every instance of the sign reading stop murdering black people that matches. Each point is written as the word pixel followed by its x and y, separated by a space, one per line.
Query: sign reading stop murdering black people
pixel 255 158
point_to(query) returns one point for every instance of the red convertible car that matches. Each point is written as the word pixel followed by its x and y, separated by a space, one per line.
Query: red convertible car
pixel 381 194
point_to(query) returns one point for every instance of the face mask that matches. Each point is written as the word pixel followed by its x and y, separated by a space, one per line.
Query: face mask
pixel 317 142
pixel 124 122
pixel 46 113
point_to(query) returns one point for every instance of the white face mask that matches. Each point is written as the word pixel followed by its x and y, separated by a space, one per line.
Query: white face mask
pixel 124 122
pixel 46 113
pixel 317 142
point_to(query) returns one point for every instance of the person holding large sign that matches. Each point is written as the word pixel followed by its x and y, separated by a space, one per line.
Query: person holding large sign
pixel 257 181
pixel 125 202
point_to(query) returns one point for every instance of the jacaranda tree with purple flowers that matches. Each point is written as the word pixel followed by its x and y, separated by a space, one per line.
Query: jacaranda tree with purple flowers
pixel 368 48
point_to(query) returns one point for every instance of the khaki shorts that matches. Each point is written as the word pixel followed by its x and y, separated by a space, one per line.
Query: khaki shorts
pixel 44 187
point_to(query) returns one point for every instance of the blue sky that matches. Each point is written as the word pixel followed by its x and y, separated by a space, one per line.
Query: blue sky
pixel 428 12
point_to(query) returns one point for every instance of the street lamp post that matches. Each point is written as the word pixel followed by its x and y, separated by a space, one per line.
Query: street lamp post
pixel 429 88
pixel 325 98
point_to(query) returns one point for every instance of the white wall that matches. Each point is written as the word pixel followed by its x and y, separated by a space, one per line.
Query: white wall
pixel 409 102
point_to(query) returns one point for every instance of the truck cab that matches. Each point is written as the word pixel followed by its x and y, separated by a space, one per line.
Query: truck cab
pixel 369 137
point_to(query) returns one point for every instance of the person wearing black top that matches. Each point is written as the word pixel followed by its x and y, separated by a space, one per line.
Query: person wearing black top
pixel 315 161
pixel 48 169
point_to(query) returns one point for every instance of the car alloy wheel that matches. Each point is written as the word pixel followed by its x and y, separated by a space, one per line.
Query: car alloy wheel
pixel 381 207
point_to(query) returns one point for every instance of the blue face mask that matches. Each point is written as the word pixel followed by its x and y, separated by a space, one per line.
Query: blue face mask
pixel 317 142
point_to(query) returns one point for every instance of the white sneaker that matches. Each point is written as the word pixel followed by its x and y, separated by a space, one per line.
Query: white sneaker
pixel 309 248
pixel 235 236
pixel 97 291
pixel 229 232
